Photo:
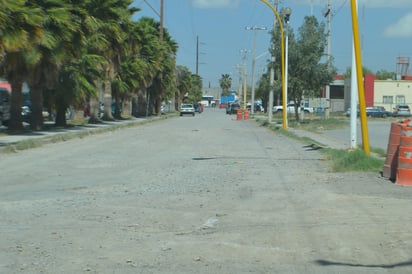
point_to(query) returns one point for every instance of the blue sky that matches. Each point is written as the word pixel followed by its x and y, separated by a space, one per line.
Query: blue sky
pixel 385 29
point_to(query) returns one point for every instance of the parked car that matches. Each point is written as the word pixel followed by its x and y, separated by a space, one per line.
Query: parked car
pixel 4 106
pixel 198 107
pixel 377 112
pixel 402 110
pixel 228 108
pixel 187 109
pixel 234 107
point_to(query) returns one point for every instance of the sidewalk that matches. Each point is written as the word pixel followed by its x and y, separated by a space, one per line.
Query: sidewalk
pixel 53 133
pixel 320 138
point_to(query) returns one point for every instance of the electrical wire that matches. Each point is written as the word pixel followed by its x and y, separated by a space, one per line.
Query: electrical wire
pixel 339 9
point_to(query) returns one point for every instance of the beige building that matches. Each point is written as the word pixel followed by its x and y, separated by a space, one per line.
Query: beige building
pixel 389 93
pixel 383 93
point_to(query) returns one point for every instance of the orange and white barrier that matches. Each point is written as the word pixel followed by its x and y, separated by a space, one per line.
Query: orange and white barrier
pixel 404 165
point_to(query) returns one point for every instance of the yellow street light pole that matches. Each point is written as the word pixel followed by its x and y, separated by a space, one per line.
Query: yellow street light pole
pixel 284 99
pixel 361 90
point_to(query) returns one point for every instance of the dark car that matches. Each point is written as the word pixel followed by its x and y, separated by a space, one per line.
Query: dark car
pixel 4 107
pixel 198 107
pixel 228 108
pixel 234 107
pixel 378 112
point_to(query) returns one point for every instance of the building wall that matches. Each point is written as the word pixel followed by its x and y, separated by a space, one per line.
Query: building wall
pixel 369 84
pixel 389 93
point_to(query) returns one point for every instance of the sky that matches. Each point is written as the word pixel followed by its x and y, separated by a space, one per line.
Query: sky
pixel 219 29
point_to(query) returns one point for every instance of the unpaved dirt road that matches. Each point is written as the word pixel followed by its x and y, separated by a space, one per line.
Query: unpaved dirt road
pixel 201 194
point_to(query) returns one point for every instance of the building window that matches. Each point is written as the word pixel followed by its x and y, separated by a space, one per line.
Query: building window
pixel 387 99
pixel 400 99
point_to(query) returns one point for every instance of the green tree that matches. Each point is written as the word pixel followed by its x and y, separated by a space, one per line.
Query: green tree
pixel 225 84
pixel 111 16
pixel 307 74
pixel 159 77
pixel 365 71
pixel 195 93
pixel 55 48
pixel 384 74
pixel 184 83
pixel 22 31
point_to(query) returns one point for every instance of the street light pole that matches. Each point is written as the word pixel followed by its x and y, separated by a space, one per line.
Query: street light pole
pixel 252 109
pixel 286 15
pixel 270 107
pixel 244 72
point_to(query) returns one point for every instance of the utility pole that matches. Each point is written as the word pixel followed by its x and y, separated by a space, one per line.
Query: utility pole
pixel 161 19
pixel 244 51
pixel 197 55
pixel 252 110
pixel 328 14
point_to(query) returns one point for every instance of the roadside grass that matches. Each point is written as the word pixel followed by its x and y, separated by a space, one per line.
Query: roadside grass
pixel 340 160
pixel 352 160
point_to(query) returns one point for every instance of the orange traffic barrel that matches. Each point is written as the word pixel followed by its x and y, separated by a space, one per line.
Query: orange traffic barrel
pixel 389 169
pixel 239 114
pixel 246 114
pixel 404 167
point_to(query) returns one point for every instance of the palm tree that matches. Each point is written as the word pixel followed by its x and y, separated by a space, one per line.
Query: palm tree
pixel 225 84
pixel 149 52
pixel 76 84
pixel 111 16
pixel 52 51
pixel 166 79
pixel 21 30
pixel 184 83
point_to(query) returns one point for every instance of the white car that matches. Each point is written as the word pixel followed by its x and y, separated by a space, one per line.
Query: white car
pixel 187 109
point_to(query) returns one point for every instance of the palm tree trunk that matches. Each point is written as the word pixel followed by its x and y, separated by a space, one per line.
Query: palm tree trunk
pixel 107 98
pixel 126 107
pixel 60 113
pixel 94 105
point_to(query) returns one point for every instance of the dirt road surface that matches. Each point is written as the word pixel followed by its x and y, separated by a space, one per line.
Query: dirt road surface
pixel 203 194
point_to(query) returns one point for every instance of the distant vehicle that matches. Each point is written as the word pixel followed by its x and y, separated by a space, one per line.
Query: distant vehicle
pixel 187 109
pixel 291 109
pixel 234 107
pixel 228 108
pixel 207 100
pixel 402 110
pixel 198 107
pixel 4 106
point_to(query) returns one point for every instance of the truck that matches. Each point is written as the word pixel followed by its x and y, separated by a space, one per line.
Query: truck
pixel 291 108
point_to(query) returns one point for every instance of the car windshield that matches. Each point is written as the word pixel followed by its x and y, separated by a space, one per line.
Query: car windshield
pixel 187 106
